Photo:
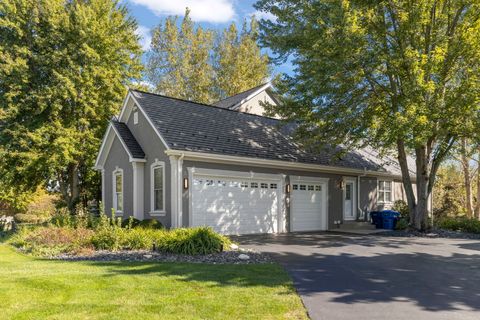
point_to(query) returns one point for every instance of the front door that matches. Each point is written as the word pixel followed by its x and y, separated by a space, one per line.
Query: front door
pixel 349 203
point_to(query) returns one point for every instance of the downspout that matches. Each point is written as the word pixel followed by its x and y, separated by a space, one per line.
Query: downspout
pixel 359 208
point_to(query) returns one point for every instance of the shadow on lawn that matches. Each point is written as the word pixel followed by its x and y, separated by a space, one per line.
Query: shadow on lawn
pixel 268 275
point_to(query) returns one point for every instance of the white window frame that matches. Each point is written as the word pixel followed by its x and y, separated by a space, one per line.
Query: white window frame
pixel 115 173
pixel 153 166
pixel 382 201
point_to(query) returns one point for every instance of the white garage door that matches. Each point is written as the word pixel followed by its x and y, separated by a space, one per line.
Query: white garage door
pixel 308 205
pixel 235 204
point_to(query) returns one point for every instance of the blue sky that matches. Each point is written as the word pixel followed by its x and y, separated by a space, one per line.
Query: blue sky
pixel 212 14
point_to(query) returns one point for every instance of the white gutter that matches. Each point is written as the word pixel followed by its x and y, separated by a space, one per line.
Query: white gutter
pixel 236 160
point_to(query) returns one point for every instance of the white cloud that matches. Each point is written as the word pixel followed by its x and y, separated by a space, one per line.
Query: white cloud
pixel 200 10
pixel 263 15
pixel 145 37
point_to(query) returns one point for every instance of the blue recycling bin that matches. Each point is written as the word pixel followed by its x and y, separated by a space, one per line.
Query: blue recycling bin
pixel 389 219
pixel 377 219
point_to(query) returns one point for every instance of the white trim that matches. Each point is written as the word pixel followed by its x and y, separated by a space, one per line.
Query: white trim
pixel 353 181
pixel 252 95
pixel 103 190
pixel 138 183
pixel 235 160
pixel 392 200
pixel 175 223
pixel 127 109
pixel 153 166
pixel 320 180
pixel 235 174
pixel 114 190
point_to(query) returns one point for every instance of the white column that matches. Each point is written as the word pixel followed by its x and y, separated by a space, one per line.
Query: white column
pixel 103 189
pixel 138 192
pixel 174 191
pixel 180 192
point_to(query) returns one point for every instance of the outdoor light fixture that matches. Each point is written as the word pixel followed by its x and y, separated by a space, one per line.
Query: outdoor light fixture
pixel 185 183
pixel 288 188
pixel 341 184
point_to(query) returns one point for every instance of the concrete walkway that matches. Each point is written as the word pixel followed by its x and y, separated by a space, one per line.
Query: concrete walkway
pixel 372 277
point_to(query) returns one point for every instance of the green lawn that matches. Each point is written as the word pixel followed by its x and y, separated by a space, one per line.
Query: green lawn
pixel 40 289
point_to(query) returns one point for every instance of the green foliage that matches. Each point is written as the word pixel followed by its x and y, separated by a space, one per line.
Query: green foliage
pixel 448 200
pixel 462 224
pixel 30 218
pixel 192 241
pixel 130 223
pixel 401 76
pixel 109 238
pixel 150 224
pixel 191 63
pixel 64 70
pixel 402 224
pixel 401 207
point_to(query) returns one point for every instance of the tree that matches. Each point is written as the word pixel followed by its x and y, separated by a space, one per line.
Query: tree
pixel 179 62
pixel 399 75
pixel 240 65
pixel 190 63
pixel 63 73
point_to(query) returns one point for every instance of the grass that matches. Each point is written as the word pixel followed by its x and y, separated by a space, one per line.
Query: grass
pixel 32 288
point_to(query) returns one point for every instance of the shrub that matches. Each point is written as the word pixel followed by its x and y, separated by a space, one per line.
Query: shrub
pixel 130 223
pixel 401 207
pixel 192 241
pixel 139 239
pixel 461 224
pixel 52 240
pixel 402 224
pixel 150 224
pixel 109 238
pixel 29 218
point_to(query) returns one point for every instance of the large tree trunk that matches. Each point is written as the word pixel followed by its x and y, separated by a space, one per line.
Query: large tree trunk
pixel 466 178
pixel 407 182
pixel 477 205
pixel 69 186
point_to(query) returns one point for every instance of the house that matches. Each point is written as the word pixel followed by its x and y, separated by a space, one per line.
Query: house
pixel 191 164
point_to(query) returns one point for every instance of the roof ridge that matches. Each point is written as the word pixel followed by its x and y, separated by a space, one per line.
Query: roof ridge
pixel 205 105
pixel 260 85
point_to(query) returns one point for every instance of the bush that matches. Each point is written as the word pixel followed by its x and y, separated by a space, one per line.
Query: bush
pixel 192 241
pixel 49 241
pixel 461 224
pixel 140 239
pixel 130 223
pixel 109 238
pixel 402 224
pixel 150 224
pixel 29 218
pixel 401 207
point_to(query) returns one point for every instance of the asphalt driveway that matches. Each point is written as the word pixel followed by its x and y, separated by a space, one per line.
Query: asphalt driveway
pixel 374 277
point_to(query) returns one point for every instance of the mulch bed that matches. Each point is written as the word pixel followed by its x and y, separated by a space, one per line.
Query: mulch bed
pixel 226 257
pixel 430 234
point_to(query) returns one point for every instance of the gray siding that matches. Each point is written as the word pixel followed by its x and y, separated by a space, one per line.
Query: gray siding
pixel 154 149
pixel 335 194
pixel 118 157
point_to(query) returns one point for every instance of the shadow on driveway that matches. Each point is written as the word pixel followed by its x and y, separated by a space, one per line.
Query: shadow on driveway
pixel 376 277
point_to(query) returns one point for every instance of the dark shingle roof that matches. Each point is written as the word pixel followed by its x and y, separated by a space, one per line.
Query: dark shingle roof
pixel 197 127
pixel 233 100
pixel 126 135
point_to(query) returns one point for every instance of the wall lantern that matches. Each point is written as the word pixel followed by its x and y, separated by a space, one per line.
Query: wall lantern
pixel 288 188
pixel 185 183
pixel 341 183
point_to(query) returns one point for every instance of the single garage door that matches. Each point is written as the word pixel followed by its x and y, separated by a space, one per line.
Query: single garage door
pixel 236 204
pixel 308 210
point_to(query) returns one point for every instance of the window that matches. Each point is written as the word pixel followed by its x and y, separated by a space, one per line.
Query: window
pixel 295 187
pixel 310 188
pixel 254 185
pixel 135 117
pixel 273 186
pixel 384 191
pixel 264 185
pixel 244 185
pixel 318 188
pixel 118 191
pixel 157 182
pixel 303 187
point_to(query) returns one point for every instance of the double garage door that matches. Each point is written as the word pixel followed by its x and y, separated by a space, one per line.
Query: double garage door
pixel 243 202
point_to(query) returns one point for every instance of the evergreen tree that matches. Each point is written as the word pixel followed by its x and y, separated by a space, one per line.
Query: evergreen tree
pixel 63 73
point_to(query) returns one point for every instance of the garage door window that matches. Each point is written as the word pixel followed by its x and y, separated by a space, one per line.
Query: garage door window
pixel 303 187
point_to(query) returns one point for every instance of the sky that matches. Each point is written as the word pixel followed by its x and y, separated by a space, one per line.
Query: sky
pixel 211 14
